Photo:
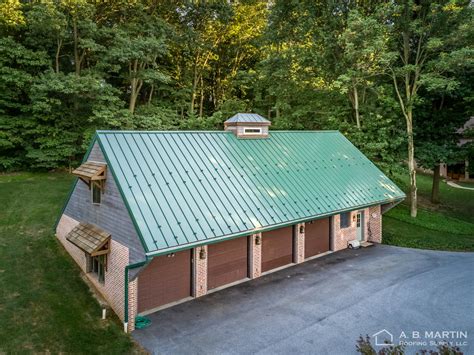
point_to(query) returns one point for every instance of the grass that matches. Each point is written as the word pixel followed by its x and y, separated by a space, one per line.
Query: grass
pixel 44 304
pixel 445 226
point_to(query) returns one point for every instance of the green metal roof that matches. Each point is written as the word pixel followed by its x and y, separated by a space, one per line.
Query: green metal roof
pixel 247 118
pixel 189 188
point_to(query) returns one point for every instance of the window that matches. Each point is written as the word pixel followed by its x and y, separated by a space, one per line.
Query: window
pixel 96 194
pixel 256 130
pixel 96 265
pixel 358 219
pixel 345 219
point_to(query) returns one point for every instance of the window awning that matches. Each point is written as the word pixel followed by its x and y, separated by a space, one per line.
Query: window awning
pixel 91 171
pixel 89 238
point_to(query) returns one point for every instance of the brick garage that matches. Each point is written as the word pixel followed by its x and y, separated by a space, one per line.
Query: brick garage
pixel 174 215
pixel 112 287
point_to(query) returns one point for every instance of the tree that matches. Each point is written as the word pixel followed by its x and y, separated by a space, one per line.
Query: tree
pixel 365 56
pixel 138 47
pixel 83 30
pixel 11 13
pixel 442 111
pixel 18 68
pixel 65 112
pixel 47 30
pixel 203 27
pixel 69 67
pixel 421 32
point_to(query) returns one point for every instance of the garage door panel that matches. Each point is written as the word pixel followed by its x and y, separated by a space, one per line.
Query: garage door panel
pixel 317 237
pixel 227 262
pixel 166 279
pixel 277 248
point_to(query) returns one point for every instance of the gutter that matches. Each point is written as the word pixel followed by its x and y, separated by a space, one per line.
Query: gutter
pixel 127 269
pixel 392 205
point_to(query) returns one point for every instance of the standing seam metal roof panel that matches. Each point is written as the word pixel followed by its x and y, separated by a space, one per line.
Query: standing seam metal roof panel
pixel 187 188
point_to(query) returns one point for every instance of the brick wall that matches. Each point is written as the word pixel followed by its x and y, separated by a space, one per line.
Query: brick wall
pixel 299 244
pixel 113 287
pixel 342 236
pixel 374 224
pixel 372 228
pixel 200 272
pixel 132 303
pixel 255 255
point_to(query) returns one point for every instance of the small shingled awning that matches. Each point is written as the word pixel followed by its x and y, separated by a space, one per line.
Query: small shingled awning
pixel 92 171
pixel 89 238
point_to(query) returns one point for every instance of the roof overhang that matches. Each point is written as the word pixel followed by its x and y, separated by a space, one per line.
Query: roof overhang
pixel 247 123
pixel 165 251
pixel 385 207
pixel 90 239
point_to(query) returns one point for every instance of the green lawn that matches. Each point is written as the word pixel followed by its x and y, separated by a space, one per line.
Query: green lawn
pixel 445 226
pixel 44 304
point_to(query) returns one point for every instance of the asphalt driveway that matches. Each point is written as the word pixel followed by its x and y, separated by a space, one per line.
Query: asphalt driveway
pixel 322 306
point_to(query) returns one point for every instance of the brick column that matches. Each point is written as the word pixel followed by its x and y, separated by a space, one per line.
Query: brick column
pixel 200 271
pixel 132 304
pixel 375 224
pixel 255 255
pixel 299 243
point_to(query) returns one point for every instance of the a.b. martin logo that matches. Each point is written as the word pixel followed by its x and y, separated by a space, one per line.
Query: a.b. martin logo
pixel 383 338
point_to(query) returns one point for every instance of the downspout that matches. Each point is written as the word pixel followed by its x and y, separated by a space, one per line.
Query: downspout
pixel 127 268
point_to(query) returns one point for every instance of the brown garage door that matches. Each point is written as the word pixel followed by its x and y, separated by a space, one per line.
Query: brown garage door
pixel 227 262
pixel 277 248
pixel 166 279
pixel 316 239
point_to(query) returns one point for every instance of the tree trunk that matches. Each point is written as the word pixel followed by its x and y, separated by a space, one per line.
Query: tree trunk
pixel 135 84
pixel 58 52
pixel 133 101
pixel 194 88
pixel 411 163
pixel 201 100
pixel 356 107
pixel 150 97
pixel 77 59
pixel 435 186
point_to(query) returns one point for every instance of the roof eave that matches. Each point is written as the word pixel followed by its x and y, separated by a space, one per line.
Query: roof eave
pixel 122 194
pixel 177 248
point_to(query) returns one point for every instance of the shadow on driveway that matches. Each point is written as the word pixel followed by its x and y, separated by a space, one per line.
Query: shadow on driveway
pixel 323 305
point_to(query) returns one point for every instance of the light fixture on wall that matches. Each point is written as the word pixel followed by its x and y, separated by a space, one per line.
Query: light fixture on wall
pixel 202 254
pixel 258 240
pixel 302 228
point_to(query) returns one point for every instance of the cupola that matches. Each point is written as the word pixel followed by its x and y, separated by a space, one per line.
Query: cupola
pixel 248 125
